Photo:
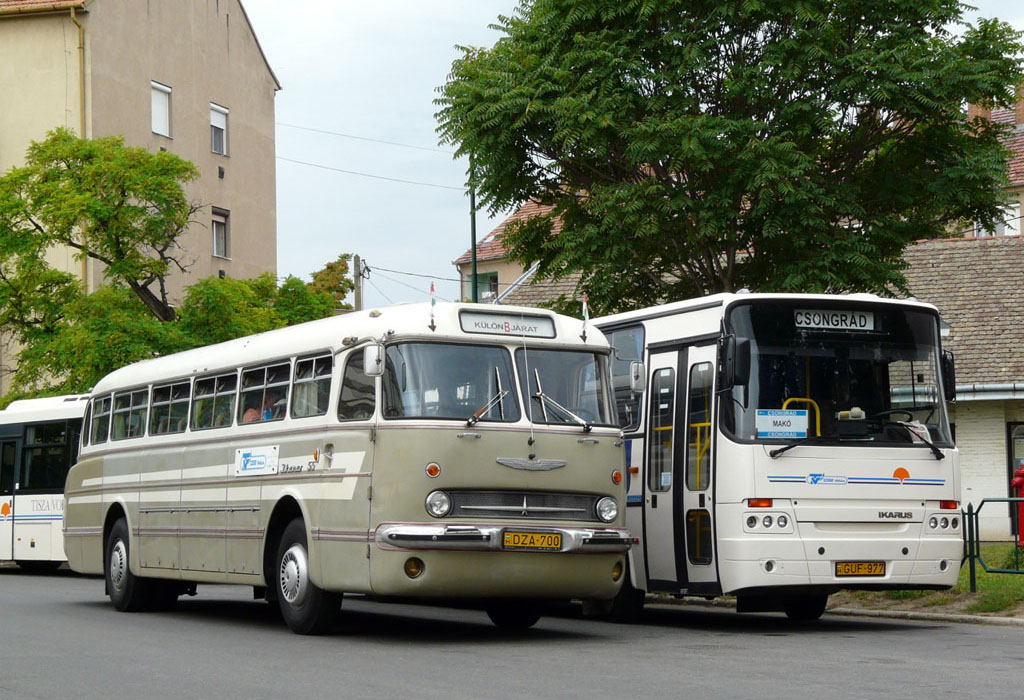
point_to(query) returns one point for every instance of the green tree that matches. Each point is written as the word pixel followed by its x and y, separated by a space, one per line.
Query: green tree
pixel 297 302
pixel 697 146
pixel 121 206
pixel 219 309
pixel 334 279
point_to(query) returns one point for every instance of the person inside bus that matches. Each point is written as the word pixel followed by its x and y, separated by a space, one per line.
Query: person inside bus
pixel 252 414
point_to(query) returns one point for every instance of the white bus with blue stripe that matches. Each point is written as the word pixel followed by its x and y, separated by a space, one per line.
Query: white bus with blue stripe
pixel 38 444
pixel 783 447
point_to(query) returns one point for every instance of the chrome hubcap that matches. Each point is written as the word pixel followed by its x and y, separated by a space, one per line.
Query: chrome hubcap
pixel 118 565
pixel 294 575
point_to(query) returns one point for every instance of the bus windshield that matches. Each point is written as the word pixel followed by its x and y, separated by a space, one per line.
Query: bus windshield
pixel 564 387
pixel 837 374
pixel 446 380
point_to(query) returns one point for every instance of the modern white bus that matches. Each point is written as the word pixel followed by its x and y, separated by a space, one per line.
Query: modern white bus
pixel 454 452
pixel 783 447
pixel 38 444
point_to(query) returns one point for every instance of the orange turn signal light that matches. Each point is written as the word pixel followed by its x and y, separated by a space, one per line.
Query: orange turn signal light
pixel 949 505
pixel 634 470
pixel 616 477
pixel 759 502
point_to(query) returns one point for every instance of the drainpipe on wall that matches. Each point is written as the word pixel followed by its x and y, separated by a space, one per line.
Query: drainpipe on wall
pixel 81 115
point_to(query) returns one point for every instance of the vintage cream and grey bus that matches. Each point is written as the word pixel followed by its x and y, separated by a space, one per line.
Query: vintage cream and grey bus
pixel 784 447
pixel 455 451
pixel 38 444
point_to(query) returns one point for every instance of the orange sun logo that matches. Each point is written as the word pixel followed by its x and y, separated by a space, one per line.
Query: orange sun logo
pixel 901 474
pixel 5 510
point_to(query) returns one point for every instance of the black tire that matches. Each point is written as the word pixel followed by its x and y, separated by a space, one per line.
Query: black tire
pixel 128 592
pixel 306 608
pixel 806 608
pixel 514 614
pixel 628 604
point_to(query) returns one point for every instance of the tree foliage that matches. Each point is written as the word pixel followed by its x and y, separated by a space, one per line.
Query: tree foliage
pixel 121 206
pixel 334 279
pixel 694 146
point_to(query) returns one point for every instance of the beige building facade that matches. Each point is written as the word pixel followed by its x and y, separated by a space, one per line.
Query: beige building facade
pixel 185 76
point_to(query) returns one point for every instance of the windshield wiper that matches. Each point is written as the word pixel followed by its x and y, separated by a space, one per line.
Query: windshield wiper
pixel 545 399
pixel 914 434
pixel 496 399
pixel 802 441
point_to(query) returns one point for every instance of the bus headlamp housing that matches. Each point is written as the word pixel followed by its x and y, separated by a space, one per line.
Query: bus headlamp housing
pixel 438 504
pixel 607 509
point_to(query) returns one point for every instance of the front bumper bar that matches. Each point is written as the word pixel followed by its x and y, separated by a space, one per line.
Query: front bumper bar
pixel 488 538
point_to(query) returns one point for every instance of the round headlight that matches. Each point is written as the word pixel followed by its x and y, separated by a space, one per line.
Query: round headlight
pixel 933 522
pixel 766 521
pixel 607 509
pixel 955 522
pixel 751 521
pixel 944 523
pixel 782 521
pixel 438 504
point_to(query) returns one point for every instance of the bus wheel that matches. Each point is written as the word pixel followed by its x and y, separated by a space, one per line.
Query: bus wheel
pixel 306 608
pixel 805 608
pixel 128 592
pixel 628 604
pixel 513 614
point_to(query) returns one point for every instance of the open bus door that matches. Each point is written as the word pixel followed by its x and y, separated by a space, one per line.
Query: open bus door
pixel 8 466
pixel 678 509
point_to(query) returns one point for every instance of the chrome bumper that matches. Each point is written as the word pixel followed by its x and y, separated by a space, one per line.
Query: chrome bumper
pixel 487 538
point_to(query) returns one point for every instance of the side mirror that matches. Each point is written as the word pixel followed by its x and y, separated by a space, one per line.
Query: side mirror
pixel 948 376
pixel 373 360
pixel 637 377
pixel 734 359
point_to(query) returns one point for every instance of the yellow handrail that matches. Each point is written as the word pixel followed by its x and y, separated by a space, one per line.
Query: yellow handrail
pixel 817 411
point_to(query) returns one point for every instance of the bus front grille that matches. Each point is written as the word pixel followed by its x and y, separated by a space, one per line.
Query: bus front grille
pixel 522 504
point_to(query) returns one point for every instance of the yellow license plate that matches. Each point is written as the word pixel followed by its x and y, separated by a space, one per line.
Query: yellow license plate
pixel 860 568
pixel 545 541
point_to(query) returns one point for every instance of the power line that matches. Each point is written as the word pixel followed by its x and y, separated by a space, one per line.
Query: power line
pixel 375 177
pixel 365 138
pixel 417 274
pixel 417 289
pixel 386 297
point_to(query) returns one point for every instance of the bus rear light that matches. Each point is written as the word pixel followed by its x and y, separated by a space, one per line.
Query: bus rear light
pixel 759 502
pixel 949 505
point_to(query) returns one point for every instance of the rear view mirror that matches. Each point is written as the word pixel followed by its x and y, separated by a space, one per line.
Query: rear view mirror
pixel 948 376
pixel 734 356
pixel 637 377
pixel 373 360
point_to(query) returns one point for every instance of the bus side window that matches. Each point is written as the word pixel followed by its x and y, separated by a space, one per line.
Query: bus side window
pixel 312 389
pixel 628 344
pixel 100 420
pixel 358 392
pixel 264 393
pixel 129 419
pixel 170 408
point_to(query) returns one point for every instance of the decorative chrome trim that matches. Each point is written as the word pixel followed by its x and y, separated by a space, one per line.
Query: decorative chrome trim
pixel 488 538
pixel 533 465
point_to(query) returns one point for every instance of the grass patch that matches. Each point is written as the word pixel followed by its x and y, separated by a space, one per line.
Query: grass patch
pixel 996 592
pixel 907 595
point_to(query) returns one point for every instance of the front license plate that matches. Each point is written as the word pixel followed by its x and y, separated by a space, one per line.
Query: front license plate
pixel 543 541
pixel 860 568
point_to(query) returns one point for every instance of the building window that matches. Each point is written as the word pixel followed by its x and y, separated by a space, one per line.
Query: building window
pixel 486 286
pixel 218 129
pixel 161 100
pixel 221 234
pixel 1009 226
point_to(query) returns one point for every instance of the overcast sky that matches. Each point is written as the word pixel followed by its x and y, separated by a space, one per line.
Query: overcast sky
pixel 370 70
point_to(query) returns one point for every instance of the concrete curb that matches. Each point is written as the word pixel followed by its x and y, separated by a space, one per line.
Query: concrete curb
pixel 859 612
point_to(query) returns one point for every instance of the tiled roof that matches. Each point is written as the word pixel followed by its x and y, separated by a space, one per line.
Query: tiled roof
pixel 533 292
pixel 978 286
pixel 27 6
pixel 1015 142
pixel 490 246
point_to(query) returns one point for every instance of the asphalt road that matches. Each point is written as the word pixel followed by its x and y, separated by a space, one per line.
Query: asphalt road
pixel 60 638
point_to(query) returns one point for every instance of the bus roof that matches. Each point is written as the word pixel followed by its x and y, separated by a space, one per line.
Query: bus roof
pixel 728 298
pixel 49 408
pixel 406 321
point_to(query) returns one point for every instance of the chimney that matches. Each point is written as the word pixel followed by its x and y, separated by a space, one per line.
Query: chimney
pixel 1018 118
pixel 978 111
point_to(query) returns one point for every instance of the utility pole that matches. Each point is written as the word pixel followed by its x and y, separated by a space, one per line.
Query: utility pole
pixel 472 236
pixel 357 277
